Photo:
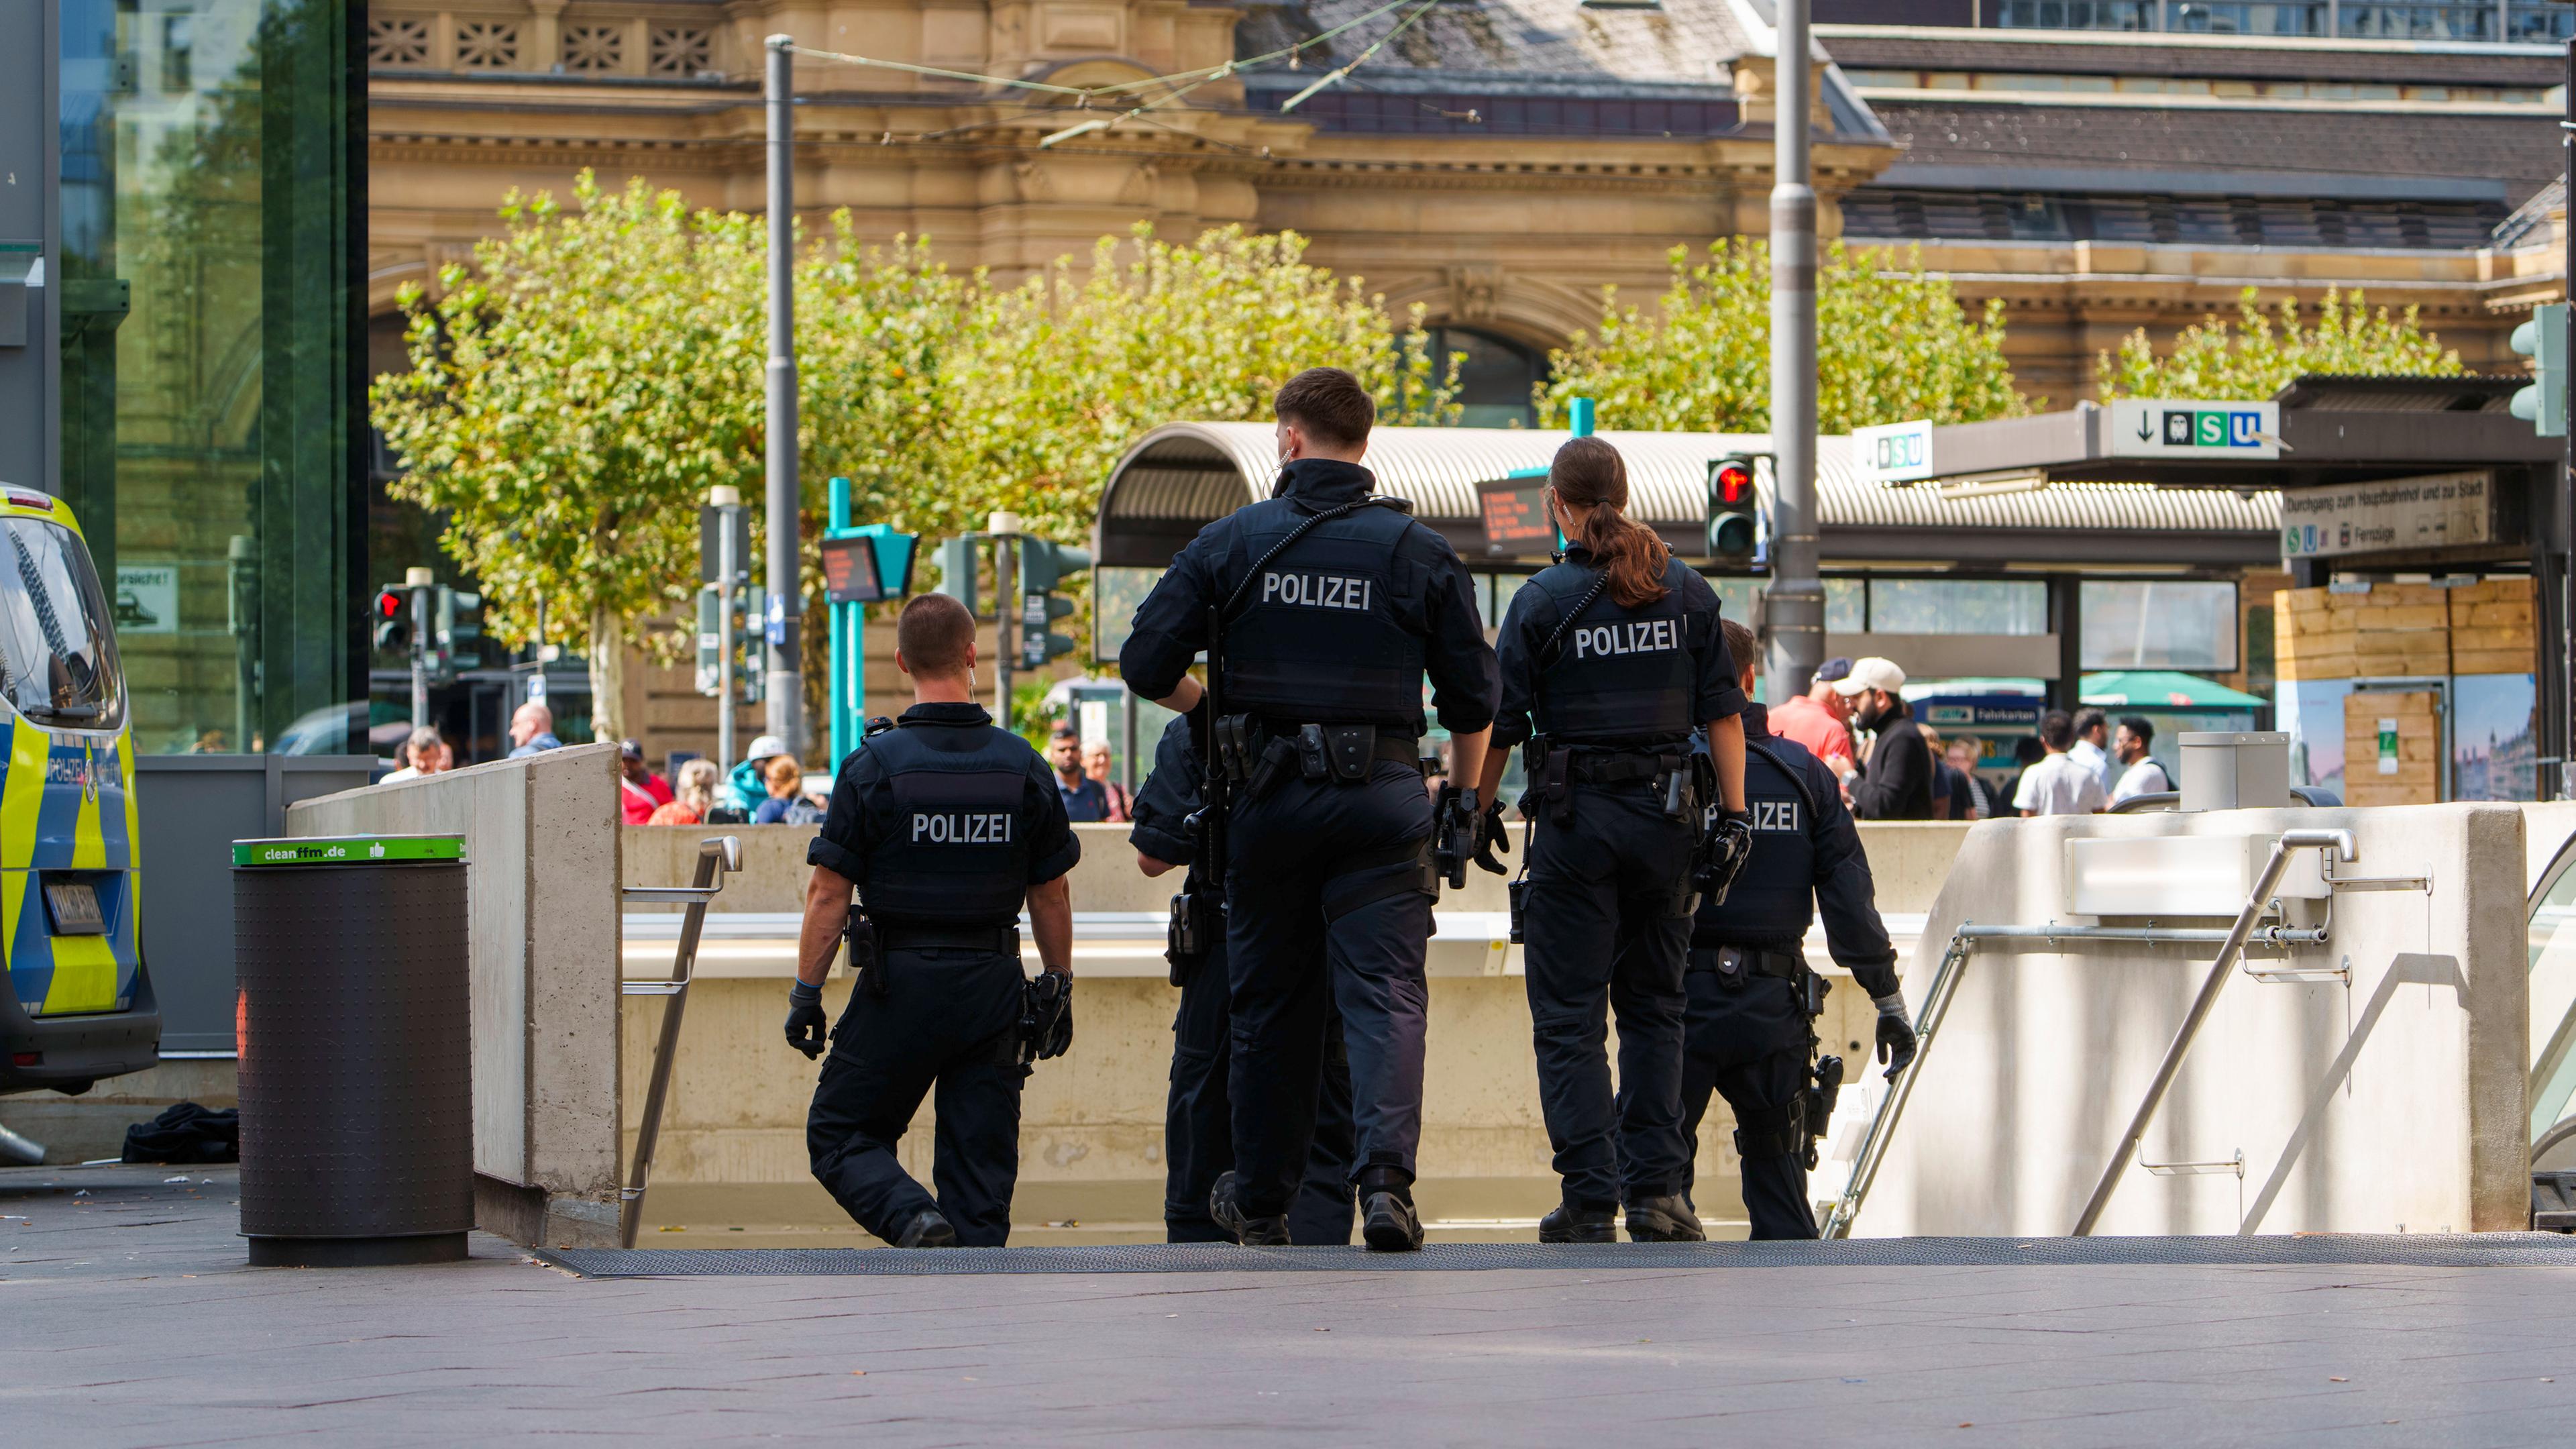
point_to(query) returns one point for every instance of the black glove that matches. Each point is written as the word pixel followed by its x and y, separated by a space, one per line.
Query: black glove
pixel 1046 1024
pixel 1895 1033
pixel 1493 835
pixel 1456 825
pixel 806 1029
pixel 1730 847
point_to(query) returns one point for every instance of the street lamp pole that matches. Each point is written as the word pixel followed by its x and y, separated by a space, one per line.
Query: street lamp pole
pixel 783 697
pixel 1794 604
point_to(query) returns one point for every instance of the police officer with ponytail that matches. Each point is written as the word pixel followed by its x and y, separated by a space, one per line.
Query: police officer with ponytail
pixel 1612 661
pixel 1322 609
pixel 1753 998
pixel 943 825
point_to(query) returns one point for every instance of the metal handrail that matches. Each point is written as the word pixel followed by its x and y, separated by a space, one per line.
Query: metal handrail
pixel 716 854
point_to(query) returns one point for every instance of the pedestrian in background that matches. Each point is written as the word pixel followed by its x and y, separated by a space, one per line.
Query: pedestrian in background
pixel 1095 764
pixel 1820 719
pixel 693 798
pixel 1968 797
pixel 787 803
pixel 1084 799
pixel 425 753
pixel 2091 747
pixel 1897 784
pixel 532 731
pixel 748 785
pixel 2060 784
pixel 640 792
pixel 2027 751
pixel 2140 772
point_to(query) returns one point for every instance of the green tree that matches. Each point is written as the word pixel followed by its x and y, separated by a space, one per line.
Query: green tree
pixel 1893 343
pixel 571 400
pixel 2258 357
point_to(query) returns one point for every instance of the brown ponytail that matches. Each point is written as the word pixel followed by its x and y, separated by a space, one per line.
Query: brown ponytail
pixel 1588 473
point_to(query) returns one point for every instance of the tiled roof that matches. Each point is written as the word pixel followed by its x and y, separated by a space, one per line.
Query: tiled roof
pixel 2523 155
pixel 2529 223
pixel 2081 55
pixel 1687 42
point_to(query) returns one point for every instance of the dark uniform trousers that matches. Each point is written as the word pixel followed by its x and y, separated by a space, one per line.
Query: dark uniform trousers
pixel 1598 928
pixel 1304 925
pixel 1198 1137
pixel 1751 1043
pixel 950 1020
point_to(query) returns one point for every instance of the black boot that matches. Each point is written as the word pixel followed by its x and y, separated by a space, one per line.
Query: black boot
pixel 1387 1220
pixel 1574 1222
pixel 1666 1219
pixel 1269 1232
pixel 927 1230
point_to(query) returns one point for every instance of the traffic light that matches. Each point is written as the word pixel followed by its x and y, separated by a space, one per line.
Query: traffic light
pixel 1732 530
pixel 1043 565
pixel 2543 339
pixel 393 619
pixel 957 570
pixel 746 644
pixel 459 628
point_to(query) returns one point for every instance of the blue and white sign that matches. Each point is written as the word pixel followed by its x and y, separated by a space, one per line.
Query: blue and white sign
pixel 2144 427
pixel 1893 452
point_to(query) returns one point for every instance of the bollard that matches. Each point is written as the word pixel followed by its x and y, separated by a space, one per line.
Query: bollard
pixel 357 1121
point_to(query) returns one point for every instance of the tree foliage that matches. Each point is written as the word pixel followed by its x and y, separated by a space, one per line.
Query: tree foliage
pixel 2258 357
pixel 1893 343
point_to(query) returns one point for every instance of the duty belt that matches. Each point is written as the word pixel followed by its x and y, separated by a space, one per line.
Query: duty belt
pixel 917 936
pixel 1748 961
pixel 1400 749
pixel 1617 767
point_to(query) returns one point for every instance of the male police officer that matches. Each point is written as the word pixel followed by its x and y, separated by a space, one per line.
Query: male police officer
pixel 1753 1000
pixel 944 824
pixel 1332 605
pixel 1198 1128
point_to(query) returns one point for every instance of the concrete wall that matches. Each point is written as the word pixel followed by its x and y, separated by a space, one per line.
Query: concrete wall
pixel 1092 1123
pixel 2392 1104
pixel 541 846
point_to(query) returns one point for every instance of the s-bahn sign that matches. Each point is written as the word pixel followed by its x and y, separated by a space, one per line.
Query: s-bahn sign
pixel 2142 427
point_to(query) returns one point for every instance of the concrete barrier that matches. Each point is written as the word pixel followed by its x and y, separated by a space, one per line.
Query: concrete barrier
pixel 2389 1103
pixel 541 844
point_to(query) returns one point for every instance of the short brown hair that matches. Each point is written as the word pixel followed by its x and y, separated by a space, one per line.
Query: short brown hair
pixel 783 770
pixel 1329 403
pixel 935 634
pixel 1741 646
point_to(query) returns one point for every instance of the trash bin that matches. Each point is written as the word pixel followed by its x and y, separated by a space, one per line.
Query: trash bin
pixel 357 1107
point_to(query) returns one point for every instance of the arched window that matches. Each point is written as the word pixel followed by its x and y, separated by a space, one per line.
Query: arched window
pixel 1495 376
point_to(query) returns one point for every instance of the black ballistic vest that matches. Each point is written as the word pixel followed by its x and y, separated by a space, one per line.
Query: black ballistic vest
pixel 1316 638
pixel 1773 901
pixel 958 846
pixel 1619 676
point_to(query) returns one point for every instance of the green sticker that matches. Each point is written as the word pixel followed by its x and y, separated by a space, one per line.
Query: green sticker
pixel 349 850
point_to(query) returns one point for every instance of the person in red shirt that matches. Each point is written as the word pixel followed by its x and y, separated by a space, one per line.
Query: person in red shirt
pixel 640 792
pixel 1818 719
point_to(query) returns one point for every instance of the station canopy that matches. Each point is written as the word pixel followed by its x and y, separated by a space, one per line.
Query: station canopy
pixel 1181 476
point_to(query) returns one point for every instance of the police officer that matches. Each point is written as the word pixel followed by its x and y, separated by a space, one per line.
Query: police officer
pixel 1753 1000
pixel 944 824
pixel 1198 1132
pixel 1614 659
pixel 1332 604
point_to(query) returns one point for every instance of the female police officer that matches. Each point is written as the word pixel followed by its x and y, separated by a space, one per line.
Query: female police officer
pixel 1610 661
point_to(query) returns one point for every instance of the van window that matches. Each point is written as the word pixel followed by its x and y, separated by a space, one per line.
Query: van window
pixel 57 654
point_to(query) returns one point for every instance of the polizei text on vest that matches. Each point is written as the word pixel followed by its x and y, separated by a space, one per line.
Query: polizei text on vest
pixel 1316 591
pixel 1637 636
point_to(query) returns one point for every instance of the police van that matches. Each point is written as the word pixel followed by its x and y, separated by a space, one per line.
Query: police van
pixel 79 1006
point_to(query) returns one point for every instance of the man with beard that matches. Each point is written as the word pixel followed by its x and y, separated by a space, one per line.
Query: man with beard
pixel 1897 782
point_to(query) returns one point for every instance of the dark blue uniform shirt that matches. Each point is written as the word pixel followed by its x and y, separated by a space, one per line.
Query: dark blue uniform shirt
pixel 1428 596
pixel 1806 854
pixel 862 817
pixel 1169 797
pixel 1536 611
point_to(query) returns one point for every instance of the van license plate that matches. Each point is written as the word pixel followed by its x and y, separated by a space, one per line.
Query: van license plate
pixel 74 904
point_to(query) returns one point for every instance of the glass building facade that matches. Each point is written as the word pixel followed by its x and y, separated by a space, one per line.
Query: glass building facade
pixel 213 359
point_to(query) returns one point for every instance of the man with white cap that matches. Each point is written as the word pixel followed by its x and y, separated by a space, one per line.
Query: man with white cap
pixel 1897 782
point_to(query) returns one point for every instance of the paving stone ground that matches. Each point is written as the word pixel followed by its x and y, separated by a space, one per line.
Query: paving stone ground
pixel 130 1319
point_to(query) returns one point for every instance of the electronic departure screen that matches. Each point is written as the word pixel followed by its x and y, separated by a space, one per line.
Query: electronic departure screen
pixel 850 571
pixel 1515 514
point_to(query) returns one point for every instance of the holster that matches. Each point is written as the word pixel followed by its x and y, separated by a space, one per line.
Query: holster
pixel 1825 1085
pixel 866 961
pixel 1551 780
pixel 1236 740
pixel 1518 890
pixel 1197 922
pixel 1780 1131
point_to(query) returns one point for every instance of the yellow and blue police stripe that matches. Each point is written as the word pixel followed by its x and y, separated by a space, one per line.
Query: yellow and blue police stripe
pixel 64 805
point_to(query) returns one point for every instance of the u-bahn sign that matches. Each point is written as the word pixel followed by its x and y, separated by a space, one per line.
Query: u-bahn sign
pixel 2145 427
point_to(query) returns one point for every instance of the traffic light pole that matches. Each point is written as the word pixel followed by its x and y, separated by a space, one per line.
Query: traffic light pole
pixel 420 582
pixel 784 696
pixel 726 592
pixel 1006 613
pixel 2555 782
pixel 1794 605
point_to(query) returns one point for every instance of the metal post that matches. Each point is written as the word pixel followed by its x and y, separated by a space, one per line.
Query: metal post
pixel 1006 614
pixel 784 698
pixel 1794 605
pixel 241 563
pixel 419 582
pixel 727 592
pixel 2563 741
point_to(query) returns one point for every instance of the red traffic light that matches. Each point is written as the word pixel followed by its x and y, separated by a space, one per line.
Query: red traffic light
pixel 1733 483
pixel 389 604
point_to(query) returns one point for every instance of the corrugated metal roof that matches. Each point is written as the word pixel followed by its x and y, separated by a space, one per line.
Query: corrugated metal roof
pixel 1198 471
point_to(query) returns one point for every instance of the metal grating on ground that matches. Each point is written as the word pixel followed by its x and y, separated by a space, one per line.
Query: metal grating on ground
pixel 2485 1250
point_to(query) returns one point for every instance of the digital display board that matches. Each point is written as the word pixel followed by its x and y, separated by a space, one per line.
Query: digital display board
pixel 850 571
pixel 1514 511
